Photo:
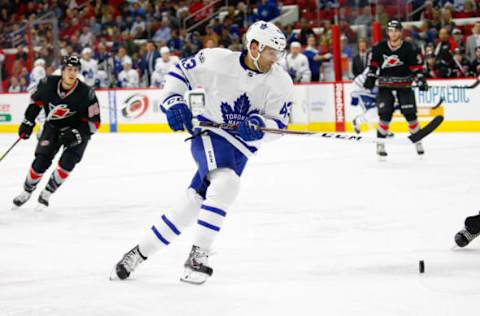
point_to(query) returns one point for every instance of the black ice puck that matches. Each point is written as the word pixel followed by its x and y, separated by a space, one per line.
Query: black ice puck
pixel 421 266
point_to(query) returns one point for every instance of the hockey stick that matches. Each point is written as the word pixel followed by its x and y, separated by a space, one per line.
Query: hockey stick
pixel 439 103
pixel 413 138
pixel 11 147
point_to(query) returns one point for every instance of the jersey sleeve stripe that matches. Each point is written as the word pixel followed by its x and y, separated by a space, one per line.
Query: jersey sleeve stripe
pixel 214 210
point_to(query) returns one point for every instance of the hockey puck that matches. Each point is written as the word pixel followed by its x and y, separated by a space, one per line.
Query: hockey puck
pixel 421 266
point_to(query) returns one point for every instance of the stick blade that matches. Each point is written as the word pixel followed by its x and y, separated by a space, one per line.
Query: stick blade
pixel 428 129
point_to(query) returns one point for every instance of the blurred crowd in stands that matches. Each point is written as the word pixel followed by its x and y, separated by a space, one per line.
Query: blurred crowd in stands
pixel 132 43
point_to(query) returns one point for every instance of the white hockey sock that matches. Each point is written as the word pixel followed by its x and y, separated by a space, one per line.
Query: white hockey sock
pixel 171 224
pixel 223 189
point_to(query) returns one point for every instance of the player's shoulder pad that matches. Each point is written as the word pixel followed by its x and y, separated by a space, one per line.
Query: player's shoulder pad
pixel 86 90
pixel 212 55
pixel 280 79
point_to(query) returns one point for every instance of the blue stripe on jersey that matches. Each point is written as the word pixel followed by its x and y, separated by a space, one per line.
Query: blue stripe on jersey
pixel 159 236
pixel 280 124
pixel 207 225
pixel 181 78
pixel 214 210
pixel 170 224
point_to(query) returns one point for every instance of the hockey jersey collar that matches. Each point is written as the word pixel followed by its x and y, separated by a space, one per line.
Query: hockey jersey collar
pixel 244 65
pixel 62 94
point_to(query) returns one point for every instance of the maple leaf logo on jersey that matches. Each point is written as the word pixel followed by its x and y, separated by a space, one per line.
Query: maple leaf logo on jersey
pixel 59 112
pixel 391 61
pixel 239 112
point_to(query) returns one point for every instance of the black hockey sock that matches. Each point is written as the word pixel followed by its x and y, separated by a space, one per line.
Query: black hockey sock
pixel 57 178
pixel 383 127
pixel 413 126
pixel 33 178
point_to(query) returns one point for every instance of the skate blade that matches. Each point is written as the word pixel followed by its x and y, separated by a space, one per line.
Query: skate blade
pixel 382 158
pixel 193 277
pixel 113 275
pixel 40 207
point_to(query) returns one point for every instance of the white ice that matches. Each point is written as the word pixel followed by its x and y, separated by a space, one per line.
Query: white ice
pixel 320 228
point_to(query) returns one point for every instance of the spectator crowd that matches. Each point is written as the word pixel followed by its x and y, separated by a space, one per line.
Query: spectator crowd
pixel 132 43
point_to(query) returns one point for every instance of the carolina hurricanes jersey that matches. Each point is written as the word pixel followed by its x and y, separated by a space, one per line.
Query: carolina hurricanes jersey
pixel 77 107
pixel 399 62
pixel 233 92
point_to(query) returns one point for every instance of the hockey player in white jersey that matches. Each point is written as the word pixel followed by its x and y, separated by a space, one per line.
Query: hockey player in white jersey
pixel 128 77
pixel 248 90
pixel 162 67
pixel 89 67
pixel 296 64
pixel 365 100
pixel 37 74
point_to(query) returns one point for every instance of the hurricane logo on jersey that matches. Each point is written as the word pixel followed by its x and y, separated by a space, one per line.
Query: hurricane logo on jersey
pixel 391 61
pixel 239 111
pixel 59 112
pixel 135 106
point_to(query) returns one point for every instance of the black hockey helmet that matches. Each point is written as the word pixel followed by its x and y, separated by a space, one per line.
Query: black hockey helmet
pixel 394 24
pixel 72 61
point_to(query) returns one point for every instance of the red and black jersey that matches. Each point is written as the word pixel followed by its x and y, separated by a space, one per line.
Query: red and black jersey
pixel 401 62
pixel 75 108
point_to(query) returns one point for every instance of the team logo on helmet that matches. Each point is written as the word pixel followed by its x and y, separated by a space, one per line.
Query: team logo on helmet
pixel 391 61
pixel 263 26
pixel 135 106
pixel 59 112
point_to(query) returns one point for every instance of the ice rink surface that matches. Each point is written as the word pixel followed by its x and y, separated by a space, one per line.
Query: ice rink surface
pixel 320 228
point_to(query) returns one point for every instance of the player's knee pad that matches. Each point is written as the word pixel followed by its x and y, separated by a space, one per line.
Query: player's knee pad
pixel 185 212
pixel 472 223
pixel 224 187
pixel 69 160
pixel 41 163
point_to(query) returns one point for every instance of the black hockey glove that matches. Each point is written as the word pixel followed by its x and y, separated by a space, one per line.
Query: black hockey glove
pixel 421 82
pixel 370 81
pixel 71 137
pixel 25 129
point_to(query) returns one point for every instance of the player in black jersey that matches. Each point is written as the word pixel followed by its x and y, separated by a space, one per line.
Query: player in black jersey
pixel 398 65
pixel 72 116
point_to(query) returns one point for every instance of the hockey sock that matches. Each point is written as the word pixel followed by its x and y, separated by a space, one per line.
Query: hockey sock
pixel 57 178
pixel 223 189
pixel 33 178
pixel 383 127
pixel 171 224
pixel 413 126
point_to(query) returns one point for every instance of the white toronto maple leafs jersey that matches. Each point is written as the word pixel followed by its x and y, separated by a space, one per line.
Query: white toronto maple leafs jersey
pixel 38 73
pixel 129 79
pixel 89 71
pixel 233 92
pixel 297 67
pixel 161 69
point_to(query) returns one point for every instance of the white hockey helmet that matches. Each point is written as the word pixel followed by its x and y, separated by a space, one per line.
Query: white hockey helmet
pixel 266 34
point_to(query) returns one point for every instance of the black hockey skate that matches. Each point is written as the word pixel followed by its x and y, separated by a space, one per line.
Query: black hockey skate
pixel 43 200
pixel 470 232
pixel 22 198
pixel 197 270
pixel 381 152
pixel 127 264
pixel 356 126
pixel 419 149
